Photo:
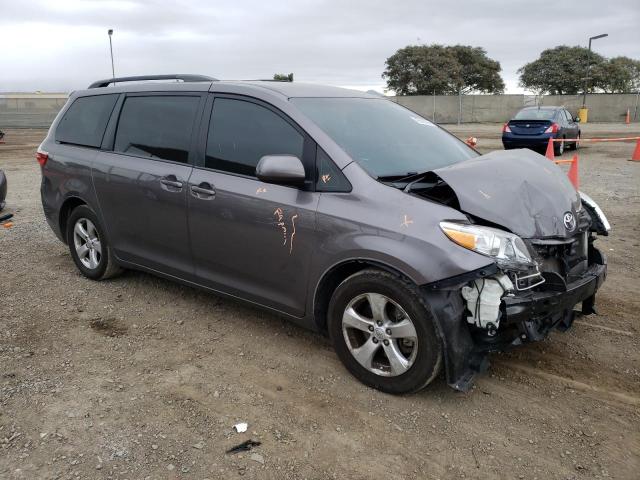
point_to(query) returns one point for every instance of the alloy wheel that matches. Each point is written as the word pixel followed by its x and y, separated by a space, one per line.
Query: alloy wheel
pixel 87 243
pixel 379 334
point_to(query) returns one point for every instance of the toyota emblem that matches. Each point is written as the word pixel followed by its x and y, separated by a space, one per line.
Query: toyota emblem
pixel 569 221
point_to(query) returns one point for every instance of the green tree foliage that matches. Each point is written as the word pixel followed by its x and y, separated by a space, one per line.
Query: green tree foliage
pixel 425 69
pixel 618 75
pixel 283 77
pixel 478 72
pixel 561 70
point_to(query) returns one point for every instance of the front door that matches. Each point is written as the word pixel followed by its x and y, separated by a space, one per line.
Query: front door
pixel 142 184
pixel 251 239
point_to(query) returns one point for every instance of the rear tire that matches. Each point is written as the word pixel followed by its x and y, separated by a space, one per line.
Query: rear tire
pixel 576 144
pixel 384 332
pixel 89 246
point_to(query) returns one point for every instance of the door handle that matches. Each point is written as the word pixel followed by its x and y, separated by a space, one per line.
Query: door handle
pixel 171 181
pixel 203 191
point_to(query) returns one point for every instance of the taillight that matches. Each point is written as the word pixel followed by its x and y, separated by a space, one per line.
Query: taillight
pixel 552 129
pixel 505 128
pixel 42 157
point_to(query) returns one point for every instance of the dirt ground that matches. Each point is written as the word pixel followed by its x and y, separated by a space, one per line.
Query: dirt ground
pixel 141 378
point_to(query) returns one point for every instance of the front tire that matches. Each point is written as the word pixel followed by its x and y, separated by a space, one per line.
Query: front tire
pixel 558 147
pixel 88 245
pixel 384 332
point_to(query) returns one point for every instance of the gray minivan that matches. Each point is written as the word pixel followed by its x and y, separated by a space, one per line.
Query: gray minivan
pixel 345 212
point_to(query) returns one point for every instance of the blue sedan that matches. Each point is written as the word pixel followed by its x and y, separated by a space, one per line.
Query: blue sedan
pixel 532 127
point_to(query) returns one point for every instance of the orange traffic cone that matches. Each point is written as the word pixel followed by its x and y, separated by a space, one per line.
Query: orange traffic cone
pixel 549 154
pixel 636 153
pixel 573 173
pixel 627 119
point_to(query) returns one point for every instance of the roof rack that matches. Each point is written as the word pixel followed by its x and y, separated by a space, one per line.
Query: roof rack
pixel 174 76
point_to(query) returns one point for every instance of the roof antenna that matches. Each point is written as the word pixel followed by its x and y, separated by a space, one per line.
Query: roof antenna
pixel 113 70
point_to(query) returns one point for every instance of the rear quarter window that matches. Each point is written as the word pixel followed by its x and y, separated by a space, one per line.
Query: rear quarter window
pixel 85 121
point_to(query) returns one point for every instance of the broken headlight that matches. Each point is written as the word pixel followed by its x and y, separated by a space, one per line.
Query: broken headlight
pixel 595 210
pixel 506 248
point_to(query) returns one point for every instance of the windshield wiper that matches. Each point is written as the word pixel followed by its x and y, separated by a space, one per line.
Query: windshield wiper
pixel 403 182
pixel 407 182
pixel 402 177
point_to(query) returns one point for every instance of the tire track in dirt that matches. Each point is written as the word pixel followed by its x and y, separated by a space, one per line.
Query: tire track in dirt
pixel 596 392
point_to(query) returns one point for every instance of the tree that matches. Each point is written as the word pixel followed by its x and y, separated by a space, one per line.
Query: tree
pixel 478 73
pixel 561 71
pixel 283 77
pixel 428 69
pixel 618 75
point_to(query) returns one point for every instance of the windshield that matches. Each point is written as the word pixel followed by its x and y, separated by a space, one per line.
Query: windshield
pixel 386 139
pixel 535 114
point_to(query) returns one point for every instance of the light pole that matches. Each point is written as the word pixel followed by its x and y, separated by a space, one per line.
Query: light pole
pixel 113 70
pixel 586 78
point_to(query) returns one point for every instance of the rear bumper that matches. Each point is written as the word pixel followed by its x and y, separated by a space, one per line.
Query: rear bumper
pixel 510 140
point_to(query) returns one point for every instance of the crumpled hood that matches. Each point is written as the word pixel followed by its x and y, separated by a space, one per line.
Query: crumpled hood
pixel 517 189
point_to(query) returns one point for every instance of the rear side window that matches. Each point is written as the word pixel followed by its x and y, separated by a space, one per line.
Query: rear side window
pixel 241 133
pixel 157 127
pixel 85 120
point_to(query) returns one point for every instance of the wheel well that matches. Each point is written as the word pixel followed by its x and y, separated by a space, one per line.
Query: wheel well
pixel 65 210
pixel 334 277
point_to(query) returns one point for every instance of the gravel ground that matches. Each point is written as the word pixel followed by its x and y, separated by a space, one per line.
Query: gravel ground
pixel 140 378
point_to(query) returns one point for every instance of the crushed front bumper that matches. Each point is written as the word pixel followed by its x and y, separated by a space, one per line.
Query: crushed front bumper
pixel 530 316
pixel 526 317
pixel 536 313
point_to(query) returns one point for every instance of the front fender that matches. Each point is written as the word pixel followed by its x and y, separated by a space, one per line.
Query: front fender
pixel 391 227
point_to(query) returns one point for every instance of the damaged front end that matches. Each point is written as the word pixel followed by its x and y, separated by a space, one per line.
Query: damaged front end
pixel 500 307
pixel 544 265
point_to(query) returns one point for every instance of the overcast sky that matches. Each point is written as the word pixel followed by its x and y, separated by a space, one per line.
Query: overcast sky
pixel 62 45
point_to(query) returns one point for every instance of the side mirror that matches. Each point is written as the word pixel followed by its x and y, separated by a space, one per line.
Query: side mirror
pixel 281 169
pixel 577 119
